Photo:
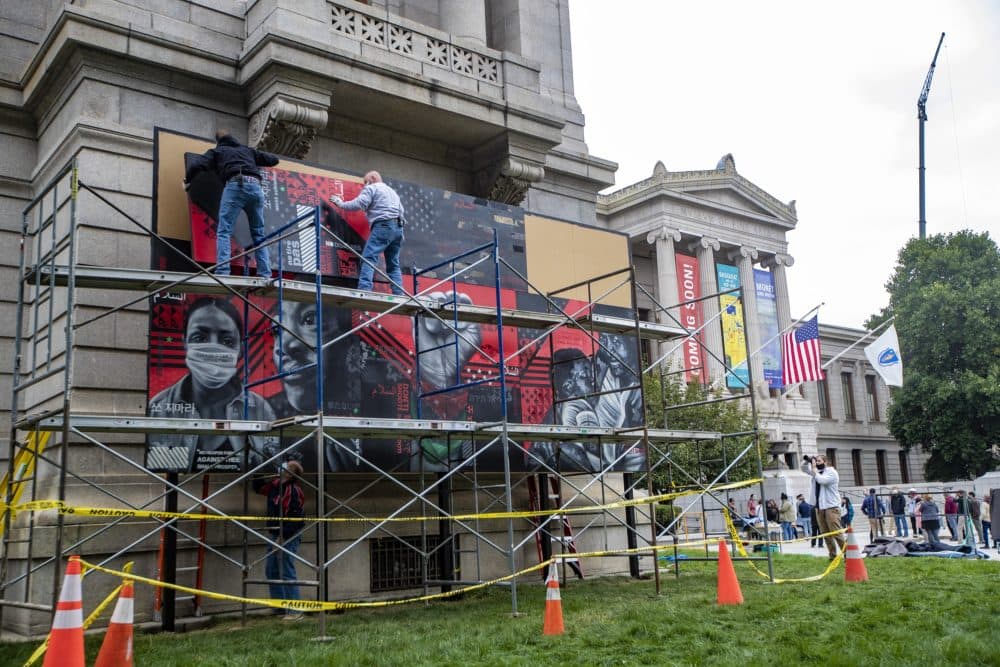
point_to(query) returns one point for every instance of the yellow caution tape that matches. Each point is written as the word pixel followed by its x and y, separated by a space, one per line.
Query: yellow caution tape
pixel 111 512
pixel 740 546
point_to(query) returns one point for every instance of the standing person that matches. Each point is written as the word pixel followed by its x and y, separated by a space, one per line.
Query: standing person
pixel 237 167
pixel 995 515
pixel 786 514
pixel 964 513
pixel 987 520
pixel 930 519
pixel 734 514
pixel 386 217
pixel 975 513
pixel 916 511
pixel 951 515
pixel 827 489
pixel 911 510
pixel 873 508
pixel 847 512
pixel 816 541
pixel 804 512
pixel 285 500
pixel 897 504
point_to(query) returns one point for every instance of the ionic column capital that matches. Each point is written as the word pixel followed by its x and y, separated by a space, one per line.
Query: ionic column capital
pixel 777 260
pixel 663 233
pixel 747 252
pixel 707 243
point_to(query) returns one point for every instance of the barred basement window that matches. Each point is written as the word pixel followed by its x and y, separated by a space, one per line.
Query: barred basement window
pixel 397 564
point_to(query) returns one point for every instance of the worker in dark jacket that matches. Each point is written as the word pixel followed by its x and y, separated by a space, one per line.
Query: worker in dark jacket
pixel 285 500
pixel 237 167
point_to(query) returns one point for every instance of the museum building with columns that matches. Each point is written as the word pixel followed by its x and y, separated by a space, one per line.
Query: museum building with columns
pixel 682 226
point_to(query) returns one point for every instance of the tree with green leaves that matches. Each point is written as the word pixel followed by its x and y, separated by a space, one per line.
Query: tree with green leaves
pixel 705 459
pixel 945 295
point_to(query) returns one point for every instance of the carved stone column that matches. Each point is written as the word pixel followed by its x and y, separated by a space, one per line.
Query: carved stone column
pixel 744 257
pixel 286 126
pixel 508 180
pixel 705 249
pixel 465 19
pixel 663 240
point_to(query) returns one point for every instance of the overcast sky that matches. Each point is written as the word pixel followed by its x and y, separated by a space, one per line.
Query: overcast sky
pixel 817 103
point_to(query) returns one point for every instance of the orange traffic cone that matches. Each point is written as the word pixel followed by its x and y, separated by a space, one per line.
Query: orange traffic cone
pixel 553 604
pixel 728 585
pixel 66 639
pixel 116 651
pixel 855 570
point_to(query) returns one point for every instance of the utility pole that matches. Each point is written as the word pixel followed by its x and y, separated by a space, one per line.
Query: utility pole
pixel 922 116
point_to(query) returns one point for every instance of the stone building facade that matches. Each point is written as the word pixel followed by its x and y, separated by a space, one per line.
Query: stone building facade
pixel 718 216
pixel 473 96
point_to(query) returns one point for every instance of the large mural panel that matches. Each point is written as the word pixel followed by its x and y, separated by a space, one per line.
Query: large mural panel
pixel 219 358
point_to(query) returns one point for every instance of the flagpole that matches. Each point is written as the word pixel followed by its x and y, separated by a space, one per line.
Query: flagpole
pixel 842 352
pixel 857 342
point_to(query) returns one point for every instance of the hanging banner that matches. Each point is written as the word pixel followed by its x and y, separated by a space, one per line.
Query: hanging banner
pixel 733 333
pixel 767 315
pixel 688 289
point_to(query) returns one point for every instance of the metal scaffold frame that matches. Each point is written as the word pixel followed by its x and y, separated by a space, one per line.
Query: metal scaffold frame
pixel 49 263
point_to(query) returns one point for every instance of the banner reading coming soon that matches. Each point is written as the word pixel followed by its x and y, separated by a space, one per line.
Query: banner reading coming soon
pixel 689 289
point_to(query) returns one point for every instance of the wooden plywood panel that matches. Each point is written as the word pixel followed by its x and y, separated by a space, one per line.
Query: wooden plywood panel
pixel 562 253
pixel 173 219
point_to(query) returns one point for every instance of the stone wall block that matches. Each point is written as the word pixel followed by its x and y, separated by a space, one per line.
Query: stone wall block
pixel 101 368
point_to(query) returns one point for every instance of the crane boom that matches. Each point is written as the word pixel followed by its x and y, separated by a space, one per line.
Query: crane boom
pixel 922 116
pixel 926 90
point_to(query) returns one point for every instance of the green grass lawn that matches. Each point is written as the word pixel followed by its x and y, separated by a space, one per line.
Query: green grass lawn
pixel 913 612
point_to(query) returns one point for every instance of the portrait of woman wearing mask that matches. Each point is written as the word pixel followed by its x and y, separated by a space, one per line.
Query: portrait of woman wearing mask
pixel 212 389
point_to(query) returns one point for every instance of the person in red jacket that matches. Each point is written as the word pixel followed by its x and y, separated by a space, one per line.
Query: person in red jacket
pixel 285 500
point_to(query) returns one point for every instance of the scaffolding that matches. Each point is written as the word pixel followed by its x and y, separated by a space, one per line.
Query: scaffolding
pixel 48 322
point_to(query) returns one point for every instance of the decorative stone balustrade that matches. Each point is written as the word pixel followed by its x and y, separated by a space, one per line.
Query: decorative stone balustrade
pixel 381 33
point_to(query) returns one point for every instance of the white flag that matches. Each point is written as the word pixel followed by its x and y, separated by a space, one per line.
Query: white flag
pixel 884 357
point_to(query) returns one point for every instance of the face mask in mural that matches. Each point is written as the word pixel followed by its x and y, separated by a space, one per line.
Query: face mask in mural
pixel 211 365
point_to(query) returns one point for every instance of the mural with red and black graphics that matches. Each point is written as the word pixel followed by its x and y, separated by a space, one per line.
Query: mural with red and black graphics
pixel 223 358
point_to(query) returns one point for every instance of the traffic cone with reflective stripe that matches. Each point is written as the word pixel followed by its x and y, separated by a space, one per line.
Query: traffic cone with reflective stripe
pixel 553 604
pixel 66 639
pixel 116 651
pixel 728 585
pixel 855 569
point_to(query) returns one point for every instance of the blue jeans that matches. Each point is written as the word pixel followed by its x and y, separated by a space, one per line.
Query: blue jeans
pixel 280 565
pixel 807 527
pixel 952 520
pixel 246 196
pixel 386 238
pixel 787 532
pixel 902 530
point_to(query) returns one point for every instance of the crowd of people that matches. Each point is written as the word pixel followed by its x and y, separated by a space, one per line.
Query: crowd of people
pixel 961 517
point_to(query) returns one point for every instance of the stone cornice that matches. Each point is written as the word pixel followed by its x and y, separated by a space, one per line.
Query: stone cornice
pixel 680 182
pixel 75 28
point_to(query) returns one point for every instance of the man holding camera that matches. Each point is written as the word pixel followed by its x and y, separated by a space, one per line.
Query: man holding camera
pixel 827 487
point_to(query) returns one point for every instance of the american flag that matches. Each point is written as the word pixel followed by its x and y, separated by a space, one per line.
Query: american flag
pixel 800 354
